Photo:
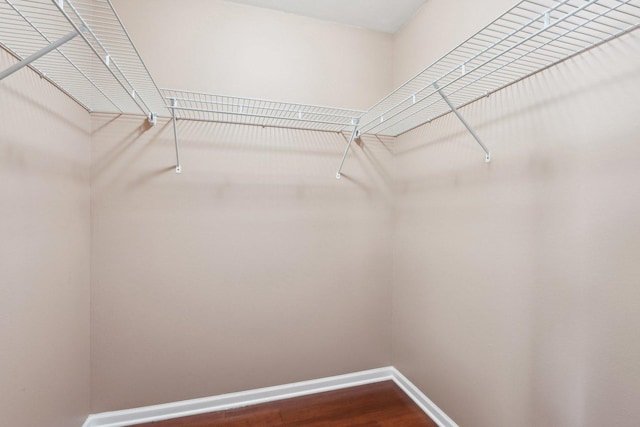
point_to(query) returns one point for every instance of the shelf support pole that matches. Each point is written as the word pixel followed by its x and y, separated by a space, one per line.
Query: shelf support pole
pixel 355 134
pixel 464 122
pixel 42 52
pixel 174 105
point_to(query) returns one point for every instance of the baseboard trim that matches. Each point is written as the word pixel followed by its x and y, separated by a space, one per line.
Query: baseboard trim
pixel 430 408
pixel 223 402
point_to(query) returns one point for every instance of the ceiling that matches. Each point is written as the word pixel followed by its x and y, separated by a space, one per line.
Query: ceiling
pixel 381 15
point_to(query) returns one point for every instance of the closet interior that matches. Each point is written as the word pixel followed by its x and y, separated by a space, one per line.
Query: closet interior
pixel 82 47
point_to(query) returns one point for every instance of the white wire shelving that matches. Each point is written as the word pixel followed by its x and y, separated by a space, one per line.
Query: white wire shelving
pixel 197 106
pixel 532 36
pixel 259 112
pixel 81 47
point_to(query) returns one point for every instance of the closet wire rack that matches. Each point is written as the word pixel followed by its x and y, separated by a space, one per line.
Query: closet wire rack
pixel 528 38
pixel 197 106
pixel 532 36
pixel 82 48
pixel 259 112
pixel 102 70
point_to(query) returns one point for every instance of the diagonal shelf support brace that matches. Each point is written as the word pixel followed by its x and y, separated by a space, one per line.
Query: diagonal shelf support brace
pixel 464 122
pixel 174 105
pixel 355 134
pixel 39 54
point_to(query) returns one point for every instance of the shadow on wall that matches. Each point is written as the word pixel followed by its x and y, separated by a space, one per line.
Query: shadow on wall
pixel 48 158
pixel 259 162
pixel 44 92
pixel 523 270
pixel 253 267
pixel 507 120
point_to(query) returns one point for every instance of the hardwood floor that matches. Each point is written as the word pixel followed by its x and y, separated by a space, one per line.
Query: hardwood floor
pixel 374 405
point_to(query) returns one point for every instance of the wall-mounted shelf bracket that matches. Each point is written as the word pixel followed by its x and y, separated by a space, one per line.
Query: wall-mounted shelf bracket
pixel 355 134
pixel 39 54
pixel 173 105
pixel 464 122
pixel 152 118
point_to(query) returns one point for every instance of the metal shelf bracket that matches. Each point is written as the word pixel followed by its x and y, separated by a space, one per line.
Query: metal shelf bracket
pixel 464 122
pixel 39 54
pixel 172 107
pixel 355 134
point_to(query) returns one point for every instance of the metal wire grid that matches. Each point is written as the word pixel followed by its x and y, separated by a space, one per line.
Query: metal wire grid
pixel 531 36
pixel 100 68
pixel 248 111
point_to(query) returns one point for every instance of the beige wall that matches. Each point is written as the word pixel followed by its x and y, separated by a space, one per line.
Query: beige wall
pixel 514 297
pixel 232 49
pixel 255 267
pixel 436 28
pixel 516 283
pixel 44 254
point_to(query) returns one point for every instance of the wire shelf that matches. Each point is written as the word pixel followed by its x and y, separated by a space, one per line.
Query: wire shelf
pixel 100 68
pixel 530 37
pixel 259 112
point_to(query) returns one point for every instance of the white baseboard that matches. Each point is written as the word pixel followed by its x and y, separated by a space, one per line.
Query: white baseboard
pixel 430 408
pixel 223 402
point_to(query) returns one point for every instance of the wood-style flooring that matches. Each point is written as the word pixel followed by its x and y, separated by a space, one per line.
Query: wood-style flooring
pixel 375 405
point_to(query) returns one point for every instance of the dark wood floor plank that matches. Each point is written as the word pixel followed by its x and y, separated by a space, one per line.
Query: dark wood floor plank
pixel 374 405
pixel 406 420
pixel 203 420
pixel 369 407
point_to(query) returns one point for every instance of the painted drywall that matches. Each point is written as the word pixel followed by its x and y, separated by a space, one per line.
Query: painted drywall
pixel 437 28
pixel 233 49
pixel 44 254
pixel 515 283
pixel 255 267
